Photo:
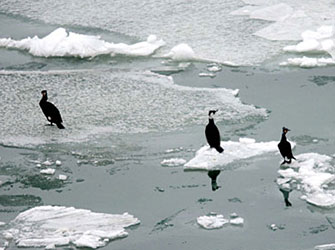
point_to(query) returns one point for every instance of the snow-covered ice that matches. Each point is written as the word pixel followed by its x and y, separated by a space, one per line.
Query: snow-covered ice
pixel 207 158
pixel 314 173
pixel 61 43
pixel 58 163
pixel 173 162
pixel 60 226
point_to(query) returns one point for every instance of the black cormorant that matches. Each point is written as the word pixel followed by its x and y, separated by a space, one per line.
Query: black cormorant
pixel 50 111
pixel 212 133
pixel 285 147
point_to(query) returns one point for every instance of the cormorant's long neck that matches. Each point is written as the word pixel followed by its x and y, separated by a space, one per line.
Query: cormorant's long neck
pixel 283 137
pixel 44 98
pixel 210 121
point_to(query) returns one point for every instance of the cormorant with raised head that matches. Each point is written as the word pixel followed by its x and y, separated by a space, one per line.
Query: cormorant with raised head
pixel 285 147
pixel 50 111
pixel 212 133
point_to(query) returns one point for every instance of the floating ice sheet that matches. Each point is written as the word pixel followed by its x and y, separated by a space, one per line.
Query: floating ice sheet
pixel 60 226
pixel 92 104
pixel 207 158
pixel 314 173
pixel 61 43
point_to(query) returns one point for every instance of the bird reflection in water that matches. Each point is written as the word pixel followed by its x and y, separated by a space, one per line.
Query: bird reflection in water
pixel 213 174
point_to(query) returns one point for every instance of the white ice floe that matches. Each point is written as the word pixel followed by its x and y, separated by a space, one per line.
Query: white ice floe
pixel 173 162
pixel 215 221
pixel 321 40
pixel 61 43
pixel 308 62
pixel 207 158
pixel 2 224
pixel 212 221
pixel 325 247
pixel 58 163
pixel 49 171
pixel 61 226
pixel 314 173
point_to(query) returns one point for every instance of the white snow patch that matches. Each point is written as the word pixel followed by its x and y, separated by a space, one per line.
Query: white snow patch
pixel 61 43
pixel 49 171
pixel 211 75
pixel 314 172
pixel 173 162
pixel 207 158
pixel 46 226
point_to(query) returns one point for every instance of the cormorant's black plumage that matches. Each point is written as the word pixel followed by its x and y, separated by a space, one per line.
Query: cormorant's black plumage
pixel 50 111
pixel 285 147
pixel 213 134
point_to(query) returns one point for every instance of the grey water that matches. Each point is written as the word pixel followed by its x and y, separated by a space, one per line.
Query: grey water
pixel 122 120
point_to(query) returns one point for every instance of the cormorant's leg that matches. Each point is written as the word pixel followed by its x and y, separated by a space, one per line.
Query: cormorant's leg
pixel 287 203
pixel 289 161
pixel 283 162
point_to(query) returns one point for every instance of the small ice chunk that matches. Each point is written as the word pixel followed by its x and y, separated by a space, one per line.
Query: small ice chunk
pixel 58 163
pixel 62 177
pixel 38 165
pixel 181 52
pixel 173 162
pixel 212 221
pixel 2 224
pixel 207 75
pixel 214 68
pixel 49 171
pixel 308 62
pixel 239 221
pixel 325 247
pixel 47 163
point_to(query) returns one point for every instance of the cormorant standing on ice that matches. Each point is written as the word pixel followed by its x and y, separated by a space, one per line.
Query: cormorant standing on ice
pixel 285 147
pixel 50 111
pixel 212 133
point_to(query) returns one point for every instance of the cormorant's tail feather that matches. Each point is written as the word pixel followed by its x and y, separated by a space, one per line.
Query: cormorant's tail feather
pixel 60 126
pixel 219 149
